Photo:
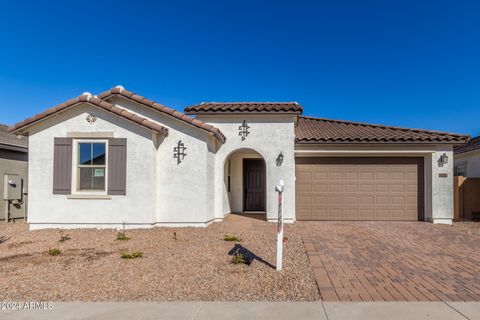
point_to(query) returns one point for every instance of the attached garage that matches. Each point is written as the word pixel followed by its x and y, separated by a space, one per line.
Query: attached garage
pixel 366 188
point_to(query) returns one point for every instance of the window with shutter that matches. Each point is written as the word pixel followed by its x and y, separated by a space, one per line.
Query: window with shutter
pixel 62 166
pixel 117 166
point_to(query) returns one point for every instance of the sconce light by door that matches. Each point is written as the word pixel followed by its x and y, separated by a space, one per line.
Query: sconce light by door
pixel 443 160
pixel 279 159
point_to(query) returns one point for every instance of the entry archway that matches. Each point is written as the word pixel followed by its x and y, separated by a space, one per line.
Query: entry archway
pixel 245 177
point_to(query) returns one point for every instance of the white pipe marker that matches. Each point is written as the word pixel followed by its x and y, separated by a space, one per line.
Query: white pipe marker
pixel 279 188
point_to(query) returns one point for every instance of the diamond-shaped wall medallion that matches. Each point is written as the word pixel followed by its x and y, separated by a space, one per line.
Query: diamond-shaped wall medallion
pixel 91 118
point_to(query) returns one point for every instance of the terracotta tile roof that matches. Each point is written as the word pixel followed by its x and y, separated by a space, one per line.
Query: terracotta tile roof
pixel 318 130
pixel 473 144
pixel 164 109
pixel 7 138
pixel 245 107
pixel 88 98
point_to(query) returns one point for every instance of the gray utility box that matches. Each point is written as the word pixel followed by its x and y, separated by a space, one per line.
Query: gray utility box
pixel 12 187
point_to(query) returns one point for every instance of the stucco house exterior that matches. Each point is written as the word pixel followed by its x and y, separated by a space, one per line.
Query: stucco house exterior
pixel 467 159
pixel 13 162
pixel 119 159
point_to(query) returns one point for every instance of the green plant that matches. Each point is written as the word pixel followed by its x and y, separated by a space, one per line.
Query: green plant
pixel 122 236
pixel 132 255
pixel 238 258
pixel 54 251
pixel 231 237
pixel 64 238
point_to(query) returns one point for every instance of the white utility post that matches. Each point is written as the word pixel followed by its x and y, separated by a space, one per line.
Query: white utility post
pixel 279 188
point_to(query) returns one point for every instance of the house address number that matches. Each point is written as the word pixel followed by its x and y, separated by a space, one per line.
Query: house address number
pixel 443 175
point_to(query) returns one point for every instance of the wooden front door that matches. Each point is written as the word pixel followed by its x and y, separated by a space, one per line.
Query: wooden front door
pixel 254 185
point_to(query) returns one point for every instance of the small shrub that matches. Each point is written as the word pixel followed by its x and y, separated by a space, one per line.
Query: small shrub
pixel 238 258
pixel 175 236
pixel 64 238
pixel 132 255
pixel 122 236
pixel 54 251
pixel 231 237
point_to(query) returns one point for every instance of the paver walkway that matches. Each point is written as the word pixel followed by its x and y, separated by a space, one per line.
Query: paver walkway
pixel 392 261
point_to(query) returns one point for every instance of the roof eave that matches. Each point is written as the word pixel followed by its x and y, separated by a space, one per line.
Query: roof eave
pixel 20 129
pixel 12 147
pixel 118 92
pixel 242 112
pixel 319 142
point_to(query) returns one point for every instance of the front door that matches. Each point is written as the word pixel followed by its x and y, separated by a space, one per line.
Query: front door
pixel 254 184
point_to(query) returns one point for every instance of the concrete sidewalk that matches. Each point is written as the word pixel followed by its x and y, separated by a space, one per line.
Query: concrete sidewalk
pixel 253 310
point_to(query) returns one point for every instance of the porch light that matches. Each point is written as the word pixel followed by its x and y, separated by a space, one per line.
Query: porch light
pixel 443 160
pixel 279 159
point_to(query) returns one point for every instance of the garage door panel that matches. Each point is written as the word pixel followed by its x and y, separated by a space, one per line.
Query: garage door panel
pixel 359 191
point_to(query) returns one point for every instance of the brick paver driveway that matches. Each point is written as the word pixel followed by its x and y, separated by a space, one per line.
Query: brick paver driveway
pixel 386 261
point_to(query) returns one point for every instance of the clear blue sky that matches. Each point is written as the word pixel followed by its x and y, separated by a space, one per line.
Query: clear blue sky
pixel 406 63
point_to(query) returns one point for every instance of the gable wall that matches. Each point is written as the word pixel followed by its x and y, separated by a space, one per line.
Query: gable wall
pixel 185 191
pixel 269 135
pixel 49 210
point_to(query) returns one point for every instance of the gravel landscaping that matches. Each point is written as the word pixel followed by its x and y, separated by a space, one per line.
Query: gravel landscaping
pixel 194 266
pixel 472 227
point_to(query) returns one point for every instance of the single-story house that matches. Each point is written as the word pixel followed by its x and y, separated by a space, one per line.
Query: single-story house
pixel 467 159
pixel 13 162
pixel 119 159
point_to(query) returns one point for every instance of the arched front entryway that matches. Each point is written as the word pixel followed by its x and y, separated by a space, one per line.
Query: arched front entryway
pixel 245 177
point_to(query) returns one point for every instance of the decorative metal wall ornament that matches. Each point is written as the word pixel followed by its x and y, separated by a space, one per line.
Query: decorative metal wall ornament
pixel 243 130
pixel 179 152
pixel 91 118
pixel 279 159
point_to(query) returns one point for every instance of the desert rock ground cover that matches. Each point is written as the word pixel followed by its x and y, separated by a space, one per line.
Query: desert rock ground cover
pixel 195 266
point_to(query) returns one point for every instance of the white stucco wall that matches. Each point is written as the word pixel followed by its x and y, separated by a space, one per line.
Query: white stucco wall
pixel 442 188
pixel 185 191
pixel 269 135
pixel 49 210
pixel 472 162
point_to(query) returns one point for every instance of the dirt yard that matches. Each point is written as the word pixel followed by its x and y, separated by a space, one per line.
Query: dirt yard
pixel 472 227
pixel 195 266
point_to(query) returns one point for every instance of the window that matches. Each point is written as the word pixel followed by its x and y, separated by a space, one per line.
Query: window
pixel 91 166
pixel 461 169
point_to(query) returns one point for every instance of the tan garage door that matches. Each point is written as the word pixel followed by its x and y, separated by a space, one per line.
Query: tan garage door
pixel 359 188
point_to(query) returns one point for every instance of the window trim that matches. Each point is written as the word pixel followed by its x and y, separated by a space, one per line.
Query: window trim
pixel 76 166
pixel 461 164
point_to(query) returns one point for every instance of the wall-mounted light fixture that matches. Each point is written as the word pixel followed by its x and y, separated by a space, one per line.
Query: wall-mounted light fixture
pixel 279 159
pixel 443 160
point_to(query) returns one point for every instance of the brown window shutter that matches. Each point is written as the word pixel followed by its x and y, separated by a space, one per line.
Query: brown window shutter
pixel 117 166
pixel 62 166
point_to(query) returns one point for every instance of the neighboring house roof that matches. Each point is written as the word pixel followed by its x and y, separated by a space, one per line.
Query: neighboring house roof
pixel 245 107
pixel 8 140
pixel 472 145
pixel 88 98
pixel 119 90
pixel 319 130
